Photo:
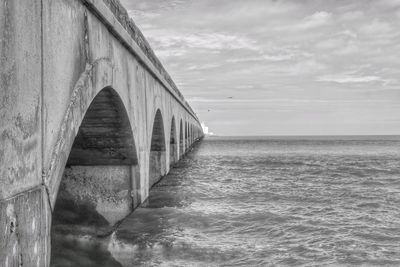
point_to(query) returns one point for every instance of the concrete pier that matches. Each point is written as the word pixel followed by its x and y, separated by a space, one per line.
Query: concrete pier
pixel 89 121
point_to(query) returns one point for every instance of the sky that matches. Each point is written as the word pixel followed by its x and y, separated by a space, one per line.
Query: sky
pixel 281 67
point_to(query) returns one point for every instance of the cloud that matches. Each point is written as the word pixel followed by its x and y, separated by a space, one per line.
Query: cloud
pixel 213 41
pixel 165 53
pixel 203 67
pixel 352 15
pixel 261 58
pixel 349 79
pixel 336 54
pixel 315 20
pixel 376 27
pixel 304 67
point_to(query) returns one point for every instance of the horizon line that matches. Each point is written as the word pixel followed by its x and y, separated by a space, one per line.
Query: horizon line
pixel 303 135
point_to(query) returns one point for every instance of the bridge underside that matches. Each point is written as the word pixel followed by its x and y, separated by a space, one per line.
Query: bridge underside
pixel 89 122
pixel 97 186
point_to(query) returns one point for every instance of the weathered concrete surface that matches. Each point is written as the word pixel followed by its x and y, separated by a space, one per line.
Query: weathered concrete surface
pixel 93 196
pixel 181 140
pixel 173 143
pixel 25 223
pixel 20 96
pixel 158 167
pixel 173 153
pixel 57 58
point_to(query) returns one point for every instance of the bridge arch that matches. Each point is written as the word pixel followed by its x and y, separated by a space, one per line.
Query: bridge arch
pixel 157 162
pixel 100 181
pixel 173 143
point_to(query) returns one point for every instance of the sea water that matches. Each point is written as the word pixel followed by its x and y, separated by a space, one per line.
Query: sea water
pixel 264 201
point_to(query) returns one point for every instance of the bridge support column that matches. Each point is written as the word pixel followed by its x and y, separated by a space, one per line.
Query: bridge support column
pixel 158 167
pixel 173 158
pixel 25 229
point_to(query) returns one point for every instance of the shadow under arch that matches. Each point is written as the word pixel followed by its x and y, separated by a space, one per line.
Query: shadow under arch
pixel 157 162
pixel 181 141
pixel 173 143
pixel 100 182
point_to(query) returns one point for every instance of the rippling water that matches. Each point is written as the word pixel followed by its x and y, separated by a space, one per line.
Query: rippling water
pixel 261 202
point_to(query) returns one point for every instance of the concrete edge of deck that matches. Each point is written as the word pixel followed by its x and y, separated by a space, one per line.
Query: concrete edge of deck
pixel 148 59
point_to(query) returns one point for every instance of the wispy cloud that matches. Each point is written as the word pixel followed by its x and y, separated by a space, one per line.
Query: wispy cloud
pixel 323 60
pixel 317 19
pixel 212 41
pixel 349 79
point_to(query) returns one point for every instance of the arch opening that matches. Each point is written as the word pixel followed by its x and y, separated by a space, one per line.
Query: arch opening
pixel 173 144
pixel 157 164
pixel 100 184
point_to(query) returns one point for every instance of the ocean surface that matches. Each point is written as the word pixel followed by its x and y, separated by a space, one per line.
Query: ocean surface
pixel 264 201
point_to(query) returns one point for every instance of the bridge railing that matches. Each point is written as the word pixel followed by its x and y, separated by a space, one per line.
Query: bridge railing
pixel 123 17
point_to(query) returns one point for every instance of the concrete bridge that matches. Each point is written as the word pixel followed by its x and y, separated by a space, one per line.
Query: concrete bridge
pixel 89 121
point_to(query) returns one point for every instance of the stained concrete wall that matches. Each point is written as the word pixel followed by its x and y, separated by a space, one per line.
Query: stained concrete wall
pixel 93 196
pixel 24 211
pixel 24 227
pixel 158 166
pixel 55 57
pixel 173 153
pixel 20 96
pixel 173 143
